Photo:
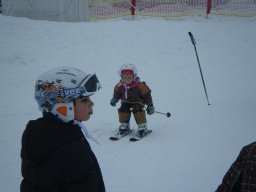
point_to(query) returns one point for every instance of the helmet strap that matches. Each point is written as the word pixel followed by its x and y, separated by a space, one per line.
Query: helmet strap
pixel 64 111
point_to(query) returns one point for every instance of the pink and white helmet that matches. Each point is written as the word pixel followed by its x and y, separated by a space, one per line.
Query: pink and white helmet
pixel 128 68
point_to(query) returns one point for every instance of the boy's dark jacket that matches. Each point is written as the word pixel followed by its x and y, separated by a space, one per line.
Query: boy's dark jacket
pixel 56 157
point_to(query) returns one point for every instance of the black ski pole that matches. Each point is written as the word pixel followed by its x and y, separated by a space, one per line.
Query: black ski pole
pixel 194 43
pixel 167 114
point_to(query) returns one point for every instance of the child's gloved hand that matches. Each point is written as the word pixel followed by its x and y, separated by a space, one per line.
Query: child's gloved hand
pixel 150 110
pixel 113 102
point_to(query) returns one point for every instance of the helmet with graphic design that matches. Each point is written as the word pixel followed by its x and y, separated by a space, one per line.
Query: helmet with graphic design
pixel 128 69
pixel 56 89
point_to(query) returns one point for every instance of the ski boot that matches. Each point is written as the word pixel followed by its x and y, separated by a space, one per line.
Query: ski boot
pixel 124 128
pixel 142 130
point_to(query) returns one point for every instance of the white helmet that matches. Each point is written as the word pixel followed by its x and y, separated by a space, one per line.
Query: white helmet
pixel 56 89
pixel 127 68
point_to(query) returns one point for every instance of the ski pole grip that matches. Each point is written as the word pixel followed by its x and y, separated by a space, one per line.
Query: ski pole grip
pixel 192 38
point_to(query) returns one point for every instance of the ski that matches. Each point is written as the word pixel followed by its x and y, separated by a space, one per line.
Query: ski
pixel 137 138
pixel 119 136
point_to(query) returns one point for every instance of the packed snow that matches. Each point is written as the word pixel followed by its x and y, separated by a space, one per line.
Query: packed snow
pixel 188 152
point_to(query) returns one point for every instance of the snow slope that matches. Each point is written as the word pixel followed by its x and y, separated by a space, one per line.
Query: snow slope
pixel 188 152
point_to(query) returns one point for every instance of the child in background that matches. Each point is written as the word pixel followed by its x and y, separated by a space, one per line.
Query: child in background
pixel 134 95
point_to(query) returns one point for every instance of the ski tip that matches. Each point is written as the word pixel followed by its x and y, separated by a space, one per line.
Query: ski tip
pixel 113 138
pixel 134 139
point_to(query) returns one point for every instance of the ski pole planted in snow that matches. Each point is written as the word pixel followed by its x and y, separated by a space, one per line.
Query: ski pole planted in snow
pixel 194 43
pixel 167 114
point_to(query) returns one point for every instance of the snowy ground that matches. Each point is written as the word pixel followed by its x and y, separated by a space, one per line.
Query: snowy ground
pixel 189 152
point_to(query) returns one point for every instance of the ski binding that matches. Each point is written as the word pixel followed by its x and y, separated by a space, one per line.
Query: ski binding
pixel 119 136
pixel 138 137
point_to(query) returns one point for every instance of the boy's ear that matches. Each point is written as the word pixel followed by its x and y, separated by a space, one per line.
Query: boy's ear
pixel 64 111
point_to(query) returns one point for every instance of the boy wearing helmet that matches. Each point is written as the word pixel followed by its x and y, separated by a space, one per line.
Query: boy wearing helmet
pixel 134 95
pixel 56 155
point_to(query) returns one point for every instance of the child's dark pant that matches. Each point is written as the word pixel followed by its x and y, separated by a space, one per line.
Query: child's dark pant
pixel 137 109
